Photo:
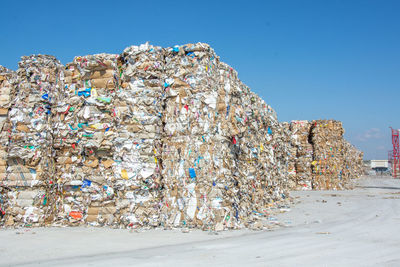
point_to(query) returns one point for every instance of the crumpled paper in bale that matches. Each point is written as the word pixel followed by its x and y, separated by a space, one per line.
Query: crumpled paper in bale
pixel 139 110
pixel 29 157
pixel 300 131
pixel 328 144
pixel 84 131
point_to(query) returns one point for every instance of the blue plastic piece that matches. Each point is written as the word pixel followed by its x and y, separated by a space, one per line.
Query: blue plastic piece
pixel 85 93
pixel 192 173
pixel 86 183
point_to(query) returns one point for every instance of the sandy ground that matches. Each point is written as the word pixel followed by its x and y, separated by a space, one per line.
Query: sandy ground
pixel 325 228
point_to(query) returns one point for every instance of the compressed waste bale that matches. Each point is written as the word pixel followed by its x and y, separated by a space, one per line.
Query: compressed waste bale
pixel 196 155
pixel 29 163
pixel 137 146
pixel 263 157
pixel 292 151
pixel 328 144
pixel 8 82
pixel 353 162
pixel 300 131
pixel 84 130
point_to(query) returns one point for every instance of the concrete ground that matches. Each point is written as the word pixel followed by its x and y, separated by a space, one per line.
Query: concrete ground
pixel 360 227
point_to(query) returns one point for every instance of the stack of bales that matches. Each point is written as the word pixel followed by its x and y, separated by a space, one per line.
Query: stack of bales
pixel 262 161
pixel 30 167
pixel 8 81
pixel 283 149
pixel 232 108
pixel 84 130
pixel 282 152
pixel 328 145
pixel 199 188
pixel 139 110
pixel 222 161
pixel 291 163
pixel 353 162
pixel 300 131
pixel 154 137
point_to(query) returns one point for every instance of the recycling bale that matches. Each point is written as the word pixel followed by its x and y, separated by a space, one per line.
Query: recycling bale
pixel 84 130
pixel 197 158
pixel 262 161
pixel 8 83
pixel 353 162
pixel 137 146
pixel 300 130
pixel 328 145
pixel 30 165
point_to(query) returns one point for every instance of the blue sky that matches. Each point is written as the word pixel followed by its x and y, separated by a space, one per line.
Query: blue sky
pixel 307 59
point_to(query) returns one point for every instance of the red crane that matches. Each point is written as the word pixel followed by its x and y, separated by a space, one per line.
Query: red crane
pixel 395 154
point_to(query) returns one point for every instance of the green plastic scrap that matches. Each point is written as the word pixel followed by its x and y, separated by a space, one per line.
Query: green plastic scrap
pixel 104 99
pixel 80 125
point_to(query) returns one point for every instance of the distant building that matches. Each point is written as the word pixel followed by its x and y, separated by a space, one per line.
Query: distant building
pixel 380 166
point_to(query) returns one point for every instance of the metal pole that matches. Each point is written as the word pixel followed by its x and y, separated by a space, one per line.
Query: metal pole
pixel 396 153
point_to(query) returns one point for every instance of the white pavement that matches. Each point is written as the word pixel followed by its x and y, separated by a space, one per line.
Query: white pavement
pixel 360 227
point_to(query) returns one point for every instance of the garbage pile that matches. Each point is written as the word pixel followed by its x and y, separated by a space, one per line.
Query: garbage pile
pixel 153 137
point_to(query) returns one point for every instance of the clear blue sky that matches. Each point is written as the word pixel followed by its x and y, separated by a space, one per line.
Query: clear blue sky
pixel 307 59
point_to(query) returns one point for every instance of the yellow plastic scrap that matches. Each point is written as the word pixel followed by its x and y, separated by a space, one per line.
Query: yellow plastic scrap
pixel 124 174
pixel 96 126
pixel 93 92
